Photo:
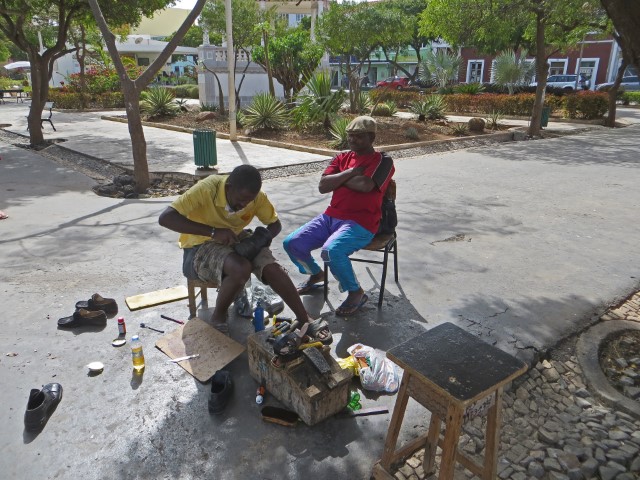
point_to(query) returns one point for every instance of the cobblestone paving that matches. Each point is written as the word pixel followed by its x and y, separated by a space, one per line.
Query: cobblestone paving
pixel 552 426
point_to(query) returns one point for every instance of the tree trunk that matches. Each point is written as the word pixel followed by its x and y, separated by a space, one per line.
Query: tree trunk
pixel 625 15
pixel 610 121
pixel 40 93
pixel 267 63
pixel 541 76
pixel 136 132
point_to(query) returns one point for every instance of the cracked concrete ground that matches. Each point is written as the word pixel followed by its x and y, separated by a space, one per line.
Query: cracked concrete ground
pixel 553 242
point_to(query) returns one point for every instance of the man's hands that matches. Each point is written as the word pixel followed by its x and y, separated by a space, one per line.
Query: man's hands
pixel 224 236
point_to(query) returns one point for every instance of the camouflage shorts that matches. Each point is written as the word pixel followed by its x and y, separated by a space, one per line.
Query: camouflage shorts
pixel 209 259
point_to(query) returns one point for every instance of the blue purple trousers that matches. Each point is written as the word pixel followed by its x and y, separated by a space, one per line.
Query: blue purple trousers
pixel 338 239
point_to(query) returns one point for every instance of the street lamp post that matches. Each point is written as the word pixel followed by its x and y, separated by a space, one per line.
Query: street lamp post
pixel 231 66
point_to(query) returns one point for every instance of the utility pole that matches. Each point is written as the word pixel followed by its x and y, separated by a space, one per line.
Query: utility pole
pixel 231 66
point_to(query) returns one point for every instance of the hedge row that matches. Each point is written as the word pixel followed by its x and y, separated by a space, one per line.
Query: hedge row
pixel 402 98
pixel 628 97
pixel 185 91
pixel 586 105
pixel 80 101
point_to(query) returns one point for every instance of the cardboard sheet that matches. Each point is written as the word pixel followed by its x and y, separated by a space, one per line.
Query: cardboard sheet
pixel 196 336
pixel 158 297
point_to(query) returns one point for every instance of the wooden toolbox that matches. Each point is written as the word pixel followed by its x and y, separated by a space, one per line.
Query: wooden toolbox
pixel 299 386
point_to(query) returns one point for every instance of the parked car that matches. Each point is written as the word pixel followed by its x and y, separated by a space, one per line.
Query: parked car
pixel 566 82
pixel 628 83
pixel 396 82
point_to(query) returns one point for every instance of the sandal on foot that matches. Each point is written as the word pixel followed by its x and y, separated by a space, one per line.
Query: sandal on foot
pixel 306 287
pixel 318 331
pixel 347 309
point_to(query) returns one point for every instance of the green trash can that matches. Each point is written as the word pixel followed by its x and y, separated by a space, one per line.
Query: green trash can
pixel 204 148
pixel 544 119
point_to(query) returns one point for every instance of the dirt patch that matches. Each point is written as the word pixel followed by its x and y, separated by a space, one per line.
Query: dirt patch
pixel 391 130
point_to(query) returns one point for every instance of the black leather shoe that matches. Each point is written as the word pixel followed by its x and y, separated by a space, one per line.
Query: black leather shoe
pixel 221 390
pixel 82 317
pixel 251 246
pixel 41 405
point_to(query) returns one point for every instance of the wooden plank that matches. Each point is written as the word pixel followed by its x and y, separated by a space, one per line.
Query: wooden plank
pixel 493 438
pixel 151 299
pixel 429 460
pixel 196 336
pixel 396 423
pixel 450 446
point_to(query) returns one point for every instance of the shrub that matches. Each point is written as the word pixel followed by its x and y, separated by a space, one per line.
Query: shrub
pixel 402 98
pixel 476 124
pixel 587 105
pixel 79 101
pixel 432 107
pixel 158 101
pixel 266 111
pixel 338 131
pixel 459 129
pixel 630 97
pixel 317 103
pixel 493 119
pixel 386 109
pixel 193 91
pixel 469 88
pixel 411 133
pixel 208 107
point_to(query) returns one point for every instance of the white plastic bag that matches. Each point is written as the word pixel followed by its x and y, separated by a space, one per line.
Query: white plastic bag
pixel 380 374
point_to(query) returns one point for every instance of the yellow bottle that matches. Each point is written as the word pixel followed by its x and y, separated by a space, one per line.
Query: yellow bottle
pixel 136 353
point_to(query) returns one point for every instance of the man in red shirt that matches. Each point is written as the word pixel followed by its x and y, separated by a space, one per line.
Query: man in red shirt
pixel 358 179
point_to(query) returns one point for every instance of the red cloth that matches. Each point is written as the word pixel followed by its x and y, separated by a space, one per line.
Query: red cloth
pixel 361 207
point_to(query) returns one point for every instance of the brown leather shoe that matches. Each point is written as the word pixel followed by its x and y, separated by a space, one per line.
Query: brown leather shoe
pixel 98 302
pixel 82 318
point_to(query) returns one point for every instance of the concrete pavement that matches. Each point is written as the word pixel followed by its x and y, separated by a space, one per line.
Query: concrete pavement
pixel 522 244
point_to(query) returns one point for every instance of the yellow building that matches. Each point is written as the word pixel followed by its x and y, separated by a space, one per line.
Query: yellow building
pixel 163 23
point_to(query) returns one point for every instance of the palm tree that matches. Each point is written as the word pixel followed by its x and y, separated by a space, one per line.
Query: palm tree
pixel 440 67
pixel 511 71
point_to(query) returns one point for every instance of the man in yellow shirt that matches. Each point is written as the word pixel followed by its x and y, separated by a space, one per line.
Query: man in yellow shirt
pixel 210 218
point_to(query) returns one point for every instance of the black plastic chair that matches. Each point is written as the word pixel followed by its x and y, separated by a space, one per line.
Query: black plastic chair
pixel 385 243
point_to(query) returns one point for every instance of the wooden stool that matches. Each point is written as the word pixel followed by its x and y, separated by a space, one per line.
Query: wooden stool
pixel 457 377
pixel 191 292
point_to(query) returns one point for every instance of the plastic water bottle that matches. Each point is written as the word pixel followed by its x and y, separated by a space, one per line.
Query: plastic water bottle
pixel 258 318
pixel 354 402
pixel 136 353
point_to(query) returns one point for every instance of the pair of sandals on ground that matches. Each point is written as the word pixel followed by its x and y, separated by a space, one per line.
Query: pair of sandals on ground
pixel 347 307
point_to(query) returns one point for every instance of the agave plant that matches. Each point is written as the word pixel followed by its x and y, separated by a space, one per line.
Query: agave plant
pixel 157 102
pixel 459 129
pixel 512 71
pixel 440 67
pixel 493 119
pixel 338 131
pixel 432 107
pixel 469 88
pixel 265 111
pixel 316 102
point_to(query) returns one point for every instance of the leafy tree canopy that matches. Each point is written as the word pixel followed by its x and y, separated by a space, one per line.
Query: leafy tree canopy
pixel 246 15
pixel 193 38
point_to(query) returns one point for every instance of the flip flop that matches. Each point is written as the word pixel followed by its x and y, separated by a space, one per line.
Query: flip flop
pixel 221 327
pixel 347 309
pixel 318 326
pixel 3 215
pixel 306 287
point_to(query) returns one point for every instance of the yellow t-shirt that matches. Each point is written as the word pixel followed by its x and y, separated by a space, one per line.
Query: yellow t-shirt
pixel 206 202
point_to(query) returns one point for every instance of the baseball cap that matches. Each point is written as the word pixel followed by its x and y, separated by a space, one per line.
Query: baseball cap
pixel 363 124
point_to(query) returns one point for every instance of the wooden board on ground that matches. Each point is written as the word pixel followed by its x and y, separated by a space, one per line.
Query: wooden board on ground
pixel 216 350
pixel 158 297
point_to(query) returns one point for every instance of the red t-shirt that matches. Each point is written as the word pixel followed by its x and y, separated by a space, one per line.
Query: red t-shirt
pixel 361 207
